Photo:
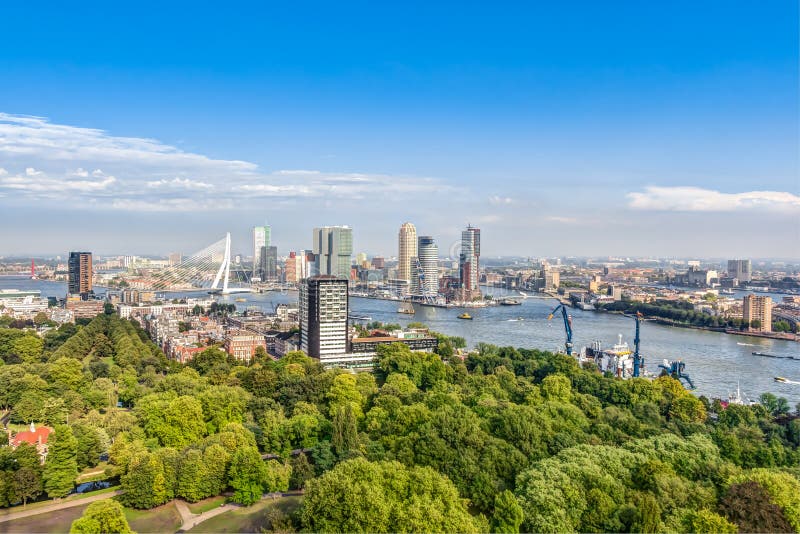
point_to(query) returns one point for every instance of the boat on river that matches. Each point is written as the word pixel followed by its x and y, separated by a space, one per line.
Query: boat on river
pixel 406 308
pixel 465 315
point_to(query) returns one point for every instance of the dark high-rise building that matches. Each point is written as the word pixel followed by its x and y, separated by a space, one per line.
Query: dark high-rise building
pixel 80 274
pixel 323 318
pixel 271 263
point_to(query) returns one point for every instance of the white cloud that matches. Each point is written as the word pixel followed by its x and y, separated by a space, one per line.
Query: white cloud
pixel 171 204
pixel 500 201
pixel 179 183
pixel 563 220
pixel 49 161
pixel 38 182
pixel 699 199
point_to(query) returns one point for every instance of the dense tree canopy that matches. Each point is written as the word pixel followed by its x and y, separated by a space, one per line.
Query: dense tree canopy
pixel 504 439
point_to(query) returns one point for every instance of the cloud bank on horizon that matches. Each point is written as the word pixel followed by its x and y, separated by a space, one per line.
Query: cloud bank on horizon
pixel 87 169
pixel 42 161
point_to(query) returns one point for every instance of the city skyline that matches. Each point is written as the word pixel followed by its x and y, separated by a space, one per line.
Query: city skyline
pixel 561 132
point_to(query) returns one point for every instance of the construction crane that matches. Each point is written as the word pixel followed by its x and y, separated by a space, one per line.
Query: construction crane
pixel 638 361
pixel 674 368
pixel 567 326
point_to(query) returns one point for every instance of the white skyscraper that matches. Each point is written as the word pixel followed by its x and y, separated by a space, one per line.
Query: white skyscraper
pixel 425 268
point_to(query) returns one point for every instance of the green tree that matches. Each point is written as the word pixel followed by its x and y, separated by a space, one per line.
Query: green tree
pixel 101 517
pixel 144 482
pixel 191 476
pixel 61 467
pixel 302 471
pixel 215 463
pixel 246 475
pixel 362 496
pixel 26 484
pixel 508 515
pixel 28 347
pixel 345 432
pixel 708 522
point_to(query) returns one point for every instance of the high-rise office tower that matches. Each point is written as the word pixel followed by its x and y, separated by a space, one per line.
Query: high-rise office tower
pixel 80 274
pixel 425 271
pixel 741 270
pixel 332 248
pixel 270 263
pixel 323 318
pixel 261 241
pixel 469 258
pixel 407 249
pixel 758 308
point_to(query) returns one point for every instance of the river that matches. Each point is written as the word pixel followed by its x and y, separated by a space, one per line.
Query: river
pixel 715 361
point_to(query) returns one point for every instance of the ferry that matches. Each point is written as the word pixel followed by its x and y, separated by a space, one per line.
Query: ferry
pixel 465 316
pixel 407 308
pixel 726 291
pixel 510 302
pixel 241 300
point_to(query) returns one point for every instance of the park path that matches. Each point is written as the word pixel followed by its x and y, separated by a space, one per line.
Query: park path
pixel 57 506
pixel 190 520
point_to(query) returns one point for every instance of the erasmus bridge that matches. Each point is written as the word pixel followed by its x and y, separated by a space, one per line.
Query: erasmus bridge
pixel 209 269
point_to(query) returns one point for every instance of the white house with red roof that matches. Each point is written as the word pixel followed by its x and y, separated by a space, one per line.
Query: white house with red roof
pixel 36 437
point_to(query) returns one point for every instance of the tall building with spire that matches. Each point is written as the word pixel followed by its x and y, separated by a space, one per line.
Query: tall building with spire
pixel 407 249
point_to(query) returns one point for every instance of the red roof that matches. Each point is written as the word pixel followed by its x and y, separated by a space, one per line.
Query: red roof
pixel 32 438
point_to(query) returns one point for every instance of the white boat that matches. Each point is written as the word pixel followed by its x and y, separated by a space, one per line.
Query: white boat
pixel 406 308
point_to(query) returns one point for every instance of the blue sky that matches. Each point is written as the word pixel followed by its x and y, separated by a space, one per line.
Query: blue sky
pixel 584 128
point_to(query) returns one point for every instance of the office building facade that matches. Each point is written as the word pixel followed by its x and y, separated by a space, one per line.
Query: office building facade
pixel 406 250
pixel 323 318
pixel 332 249
pixel 757 311
pixel 262 237
pixel 425 272
pixel 80 274
pixel 468 261
pixel 741 270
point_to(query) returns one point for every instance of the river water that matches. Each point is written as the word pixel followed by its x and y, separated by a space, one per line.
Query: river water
pixel 715 361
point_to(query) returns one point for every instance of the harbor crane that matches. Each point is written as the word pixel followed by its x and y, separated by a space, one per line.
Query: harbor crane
pixel 638 361
pixel 567 326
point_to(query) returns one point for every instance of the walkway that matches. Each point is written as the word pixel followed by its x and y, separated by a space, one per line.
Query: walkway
pixel 57 506
pixel 190 520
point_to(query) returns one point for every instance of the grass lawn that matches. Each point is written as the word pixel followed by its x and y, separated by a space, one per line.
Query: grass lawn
pixel 206 504
pixel 91 474
pixel 250 519
pixel 164 518
pixel 33 506
pixel 54 522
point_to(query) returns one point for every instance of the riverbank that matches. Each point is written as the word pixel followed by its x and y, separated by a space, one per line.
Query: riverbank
pixel 783 336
